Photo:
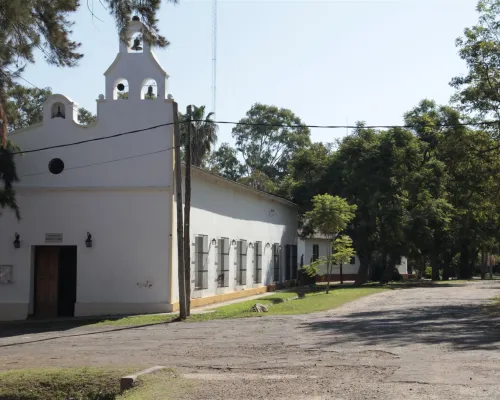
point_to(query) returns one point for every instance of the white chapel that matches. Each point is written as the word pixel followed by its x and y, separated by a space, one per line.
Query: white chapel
pixel 98 232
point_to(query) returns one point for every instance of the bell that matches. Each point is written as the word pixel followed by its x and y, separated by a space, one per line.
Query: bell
pixel 59 113
pixel 150 91
pixel 137 45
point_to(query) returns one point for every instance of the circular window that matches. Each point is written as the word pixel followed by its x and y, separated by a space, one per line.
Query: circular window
pixel 56 166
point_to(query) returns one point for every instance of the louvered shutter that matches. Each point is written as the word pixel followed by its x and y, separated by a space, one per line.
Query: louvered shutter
pixel 287 262
pixel 258 262
pixel 294 261
pixel 276 262
pixel 242 264
pixel 226 262
pixel 204 265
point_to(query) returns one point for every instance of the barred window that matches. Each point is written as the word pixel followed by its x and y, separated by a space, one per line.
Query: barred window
pixel 201 264
pixel 276 262
pixel 242 262
pixel 315 252
pixel 258 262
pixel 223 263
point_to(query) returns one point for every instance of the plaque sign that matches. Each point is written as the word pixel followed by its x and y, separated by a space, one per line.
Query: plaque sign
pixel 53 238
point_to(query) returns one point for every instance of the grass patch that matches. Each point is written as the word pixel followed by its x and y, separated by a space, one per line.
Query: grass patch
pixel 313 302
pixel 59 383
pixel 161 385
pixel 137 320
pixel 280 303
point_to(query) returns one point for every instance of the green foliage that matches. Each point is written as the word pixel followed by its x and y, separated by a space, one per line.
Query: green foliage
pixel 85 117
pixel 224 161
pixel 8 175
pixel 203 133
pixel 478 92
pixel 24 106
pixel 330 215
pixel 265 146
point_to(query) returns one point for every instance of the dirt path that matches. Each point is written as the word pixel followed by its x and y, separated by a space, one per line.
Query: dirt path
pixel 424 343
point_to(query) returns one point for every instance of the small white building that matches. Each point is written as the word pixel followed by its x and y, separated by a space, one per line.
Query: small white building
pixel 317 247
pixel 98 228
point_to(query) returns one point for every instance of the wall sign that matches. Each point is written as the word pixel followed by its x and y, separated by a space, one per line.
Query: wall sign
pixel 5 273
pixel 53 238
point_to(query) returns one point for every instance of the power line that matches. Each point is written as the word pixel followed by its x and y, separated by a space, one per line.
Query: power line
pixel 92 140
pixel 102 162
pixel 256 124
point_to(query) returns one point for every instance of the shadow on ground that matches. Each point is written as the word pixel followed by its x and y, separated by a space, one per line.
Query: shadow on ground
pixel 465 327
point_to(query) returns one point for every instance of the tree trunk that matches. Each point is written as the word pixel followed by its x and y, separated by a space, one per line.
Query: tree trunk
pixel 387 270
pixel 341 275
pixel 464 269
pixel 180 233
pixel 328 272
pixel 187 216
pixel 435 266
pixel 446 269
pixel 364 266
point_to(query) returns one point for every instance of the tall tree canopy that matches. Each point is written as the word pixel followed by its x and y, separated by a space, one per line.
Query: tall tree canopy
pixel 203 133
pixel 478 92
pixel 268 137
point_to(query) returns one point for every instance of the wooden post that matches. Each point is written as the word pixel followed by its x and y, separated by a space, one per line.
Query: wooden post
pixel 180 235
pixel 187 211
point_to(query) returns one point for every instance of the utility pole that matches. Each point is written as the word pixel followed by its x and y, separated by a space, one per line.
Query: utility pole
pixel 180 235
pixel 187 211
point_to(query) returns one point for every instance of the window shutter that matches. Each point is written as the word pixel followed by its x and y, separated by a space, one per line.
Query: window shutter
pixel 258 262
pixel 294 261
pixel 288 262
pixel 226 262
pixel 201 262
pixel 242 264
pixel 204 265
pixel 276 262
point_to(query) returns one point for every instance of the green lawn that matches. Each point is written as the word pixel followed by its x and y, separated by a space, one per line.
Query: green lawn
pixel 55 384
pixel 312 302
pixel 87 384
pixel 281 303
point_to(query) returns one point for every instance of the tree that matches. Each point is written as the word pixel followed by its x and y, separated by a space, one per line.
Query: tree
pixel 329 216
pixel 341 253
pixel 8 175
pixel 85 117
pixel 203 133
pixel 268 137
pixel 224 161
pixel 24 106
pixel 478 92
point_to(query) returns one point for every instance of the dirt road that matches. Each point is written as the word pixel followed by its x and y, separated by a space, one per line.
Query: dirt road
pixel 423 343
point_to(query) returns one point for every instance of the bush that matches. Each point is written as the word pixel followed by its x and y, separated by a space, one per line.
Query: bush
pixel 428 272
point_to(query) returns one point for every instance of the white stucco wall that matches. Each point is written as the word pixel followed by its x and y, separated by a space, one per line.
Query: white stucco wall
pixel 127 268
pixel 117 189
pixel 224 209
pixel 346 268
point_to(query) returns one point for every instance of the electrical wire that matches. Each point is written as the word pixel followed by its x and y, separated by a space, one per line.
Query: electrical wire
pixel 250 124
pixel 102 162
pixel 58 146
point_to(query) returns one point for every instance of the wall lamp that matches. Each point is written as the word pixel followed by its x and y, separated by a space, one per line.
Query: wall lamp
pixel 17 242
pixel 88 241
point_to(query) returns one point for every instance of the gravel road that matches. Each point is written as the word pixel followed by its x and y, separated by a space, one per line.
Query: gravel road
pixel 420 343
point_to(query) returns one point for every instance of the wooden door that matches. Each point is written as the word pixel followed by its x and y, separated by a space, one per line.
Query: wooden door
pixel 47 267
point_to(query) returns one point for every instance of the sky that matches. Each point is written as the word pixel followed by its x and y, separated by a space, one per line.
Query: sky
pixel 330 62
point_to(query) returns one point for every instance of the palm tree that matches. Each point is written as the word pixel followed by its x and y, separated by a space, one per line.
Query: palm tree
pixel 203 133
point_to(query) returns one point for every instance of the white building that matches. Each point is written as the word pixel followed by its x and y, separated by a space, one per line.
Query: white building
pixel 98 228
pixel 316 247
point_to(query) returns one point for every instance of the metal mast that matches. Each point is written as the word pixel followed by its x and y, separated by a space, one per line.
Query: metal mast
pixel 214 56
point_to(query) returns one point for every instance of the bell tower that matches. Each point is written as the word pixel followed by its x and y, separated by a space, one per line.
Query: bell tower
pixel 135 75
